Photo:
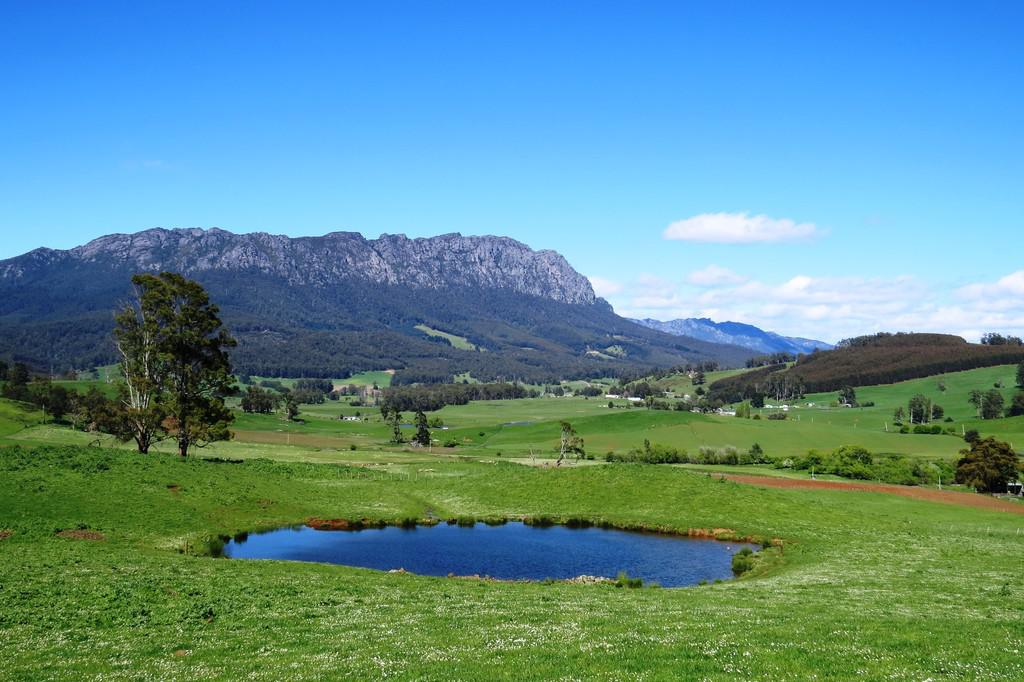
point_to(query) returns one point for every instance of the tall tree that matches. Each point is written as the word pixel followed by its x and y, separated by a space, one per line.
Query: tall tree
pixel 1020 374
pixel 140 343
pixel 422 429
pixel 920 409
pixel 992 405
pixel 569 444
pixel 174 346
pixel 390 414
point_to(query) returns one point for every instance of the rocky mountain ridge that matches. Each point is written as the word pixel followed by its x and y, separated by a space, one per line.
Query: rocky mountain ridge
pixel 449 260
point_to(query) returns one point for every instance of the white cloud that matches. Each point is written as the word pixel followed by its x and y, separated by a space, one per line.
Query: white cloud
pixel 738 228
pixel 832 308
pixel 1010 285
pixel 714 275
pixel 605 287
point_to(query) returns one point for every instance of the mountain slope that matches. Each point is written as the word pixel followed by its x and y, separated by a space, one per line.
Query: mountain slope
pixel 341 303
pixel 736 333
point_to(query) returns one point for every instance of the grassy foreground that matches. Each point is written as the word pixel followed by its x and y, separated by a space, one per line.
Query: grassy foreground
pixel 868 586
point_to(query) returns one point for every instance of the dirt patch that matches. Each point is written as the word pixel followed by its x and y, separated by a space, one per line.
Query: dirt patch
pixel 174 487
pixel 81 535
pixel 726 534
pixel 343 524
pixel 928 494
pixel 4 533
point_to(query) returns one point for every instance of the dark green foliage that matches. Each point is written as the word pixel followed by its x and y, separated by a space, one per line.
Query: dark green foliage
pixel 989 404
pixel 433 397
pixel 392 416
pixel 1016 407
pixel 742 561
pixel 847 396
pixel 650 454
pixel 53 399
pixel 996 339
pixel 1020 374
pixel 422 431
pixel 260 401
pixel 770 359
pixel 348 327
pixel 988 465
pixel 175 362
pixel 291 408
pixel 919 409
pixel 16 387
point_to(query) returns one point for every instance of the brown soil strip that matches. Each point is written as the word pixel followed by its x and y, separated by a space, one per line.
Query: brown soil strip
pixel 81 535
pixel 4 534
pixel 928 494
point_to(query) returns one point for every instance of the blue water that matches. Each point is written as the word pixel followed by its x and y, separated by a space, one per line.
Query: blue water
pixel 513 551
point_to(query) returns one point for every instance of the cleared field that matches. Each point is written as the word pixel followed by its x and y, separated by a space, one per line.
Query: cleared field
pixel 460 342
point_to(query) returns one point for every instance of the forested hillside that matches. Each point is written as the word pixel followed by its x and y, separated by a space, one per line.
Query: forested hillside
pixel 866 361
pixel 334 305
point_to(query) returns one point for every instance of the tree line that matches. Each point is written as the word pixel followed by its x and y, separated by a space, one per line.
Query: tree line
pixel 865 361
pixel 431 397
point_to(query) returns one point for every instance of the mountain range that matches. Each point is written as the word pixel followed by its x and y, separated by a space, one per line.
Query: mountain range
pixel 332 305
pixel 737 334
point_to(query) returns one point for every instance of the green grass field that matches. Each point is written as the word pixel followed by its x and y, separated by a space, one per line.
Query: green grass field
pixel 460 342
pixel 868 586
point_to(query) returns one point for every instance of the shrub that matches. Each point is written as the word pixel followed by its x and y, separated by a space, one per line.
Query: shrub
pixel 623 580
pixel 778 416
pixel 742 561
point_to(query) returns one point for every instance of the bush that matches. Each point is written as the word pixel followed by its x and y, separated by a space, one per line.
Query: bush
pixel 778 416
pixel 623 580
pixel 742 561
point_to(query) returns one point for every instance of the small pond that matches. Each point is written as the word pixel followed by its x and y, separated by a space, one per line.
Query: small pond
pixel 513 551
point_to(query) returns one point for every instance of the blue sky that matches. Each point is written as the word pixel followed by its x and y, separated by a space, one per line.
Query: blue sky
pixel 864 164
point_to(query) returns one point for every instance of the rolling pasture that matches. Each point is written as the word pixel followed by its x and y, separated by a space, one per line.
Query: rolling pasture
pixel 851 583
pixel 530 427
pixel 864 585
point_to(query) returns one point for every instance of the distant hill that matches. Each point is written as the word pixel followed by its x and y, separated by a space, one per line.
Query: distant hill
pixel 867 361
pixel 737 334
pixel 341 303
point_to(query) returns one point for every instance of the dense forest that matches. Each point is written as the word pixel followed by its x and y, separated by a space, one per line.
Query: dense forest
pixel 335 331
pixel 865 361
